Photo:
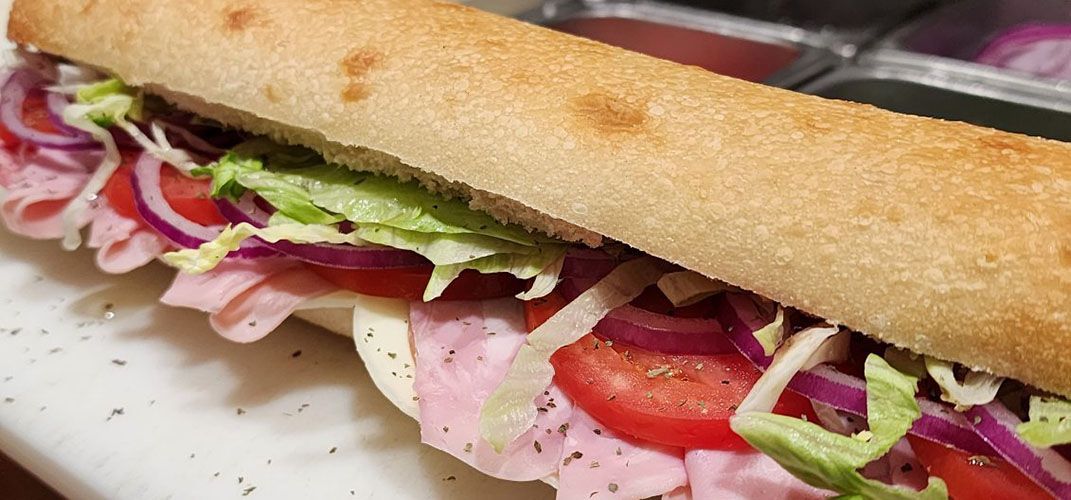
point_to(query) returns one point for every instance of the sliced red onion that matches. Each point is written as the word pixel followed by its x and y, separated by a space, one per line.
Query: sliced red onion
pixel 324 254
pixel 1039 49
pixel 56 104
pixel 996 425
pixel 664 334
pixel 154 209
pixel 826 385
pixel 587 263
pixel 12 97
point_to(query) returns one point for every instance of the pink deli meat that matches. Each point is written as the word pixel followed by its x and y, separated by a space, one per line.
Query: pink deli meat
pixel 728 475
pixel 463 350
pixel 247 299
pixel 123 244
pixel 39 185
pixel 597 463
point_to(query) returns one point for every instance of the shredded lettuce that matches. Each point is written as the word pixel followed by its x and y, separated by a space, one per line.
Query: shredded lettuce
pixel 443 248
pixel 110 101
pixel 360 197
pixel 510 410
pixel 1049 424
pixel 543 266
pixel 209 254
pixel 770 336
pixel 304 188
pixel 803 350
pixel 104 103
pixel 977 388
pixel 545 281
pixel 684 288
pixel 828 460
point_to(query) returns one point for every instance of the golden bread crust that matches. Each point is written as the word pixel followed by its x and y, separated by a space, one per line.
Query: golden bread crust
pixel 944 238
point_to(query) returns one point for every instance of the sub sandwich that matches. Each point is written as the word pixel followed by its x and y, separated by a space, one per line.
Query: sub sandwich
pixel 570 262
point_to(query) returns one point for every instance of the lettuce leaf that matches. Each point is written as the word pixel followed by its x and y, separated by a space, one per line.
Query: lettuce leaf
pixel 109 101
pixel 770 336
pixel 98 106
pixel 829 460
pixel 510 410
pixel 1049 424
pixel 305 189
pixel 544 266
pixel 359 197
pixel 204 258
pixel 977 388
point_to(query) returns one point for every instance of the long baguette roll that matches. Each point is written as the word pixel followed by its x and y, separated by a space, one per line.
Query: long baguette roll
pixel 943 238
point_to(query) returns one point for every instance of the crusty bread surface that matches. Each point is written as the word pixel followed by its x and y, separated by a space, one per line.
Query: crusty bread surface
pixel 944 238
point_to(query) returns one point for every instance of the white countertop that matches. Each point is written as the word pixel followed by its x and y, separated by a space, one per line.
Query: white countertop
pixel 104 393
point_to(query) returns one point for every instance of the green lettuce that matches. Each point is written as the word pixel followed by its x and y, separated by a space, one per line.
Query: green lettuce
pixel 305 189
pixel 1049 424
pixel 832 461
pixel 770 336
pixel 205 258
pixel 543 266
pixel 110 101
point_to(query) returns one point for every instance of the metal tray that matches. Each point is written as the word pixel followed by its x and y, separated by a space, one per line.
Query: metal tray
pixel 907 89
pixel 851 21
pixel 815 56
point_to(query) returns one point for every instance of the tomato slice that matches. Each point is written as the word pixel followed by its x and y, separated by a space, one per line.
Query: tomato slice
pixel 35 113
pixel 675 400
pixel 189 197
pixel 7 139
pixel 970 477
pixel 409 283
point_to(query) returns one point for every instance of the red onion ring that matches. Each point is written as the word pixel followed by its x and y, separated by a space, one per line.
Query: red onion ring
pixel 155 211
pixel 324 254
pixel 996 425
pixel 56 104
pixel 662 333
pixel 1020 48
pixel 839 390
pixel 587 263
pixel 652 331
pixel 13 95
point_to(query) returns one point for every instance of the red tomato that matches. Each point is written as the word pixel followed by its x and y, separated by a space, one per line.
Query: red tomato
pixel 189 197
pixel 35 113
pixel 968 479
pixel 409 283
pixel 628 389
pixel 7 139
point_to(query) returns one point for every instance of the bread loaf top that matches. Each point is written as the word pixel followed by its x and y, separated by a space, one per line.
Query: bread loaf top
pixel 944 238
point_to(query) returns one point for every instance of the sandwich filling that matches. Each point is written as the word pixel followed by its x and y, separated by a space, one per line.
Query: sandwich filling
pixel 606 370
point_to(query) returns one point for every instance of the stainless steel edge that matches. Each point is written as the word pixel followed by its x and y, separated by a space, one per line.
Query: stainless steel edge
pixel 971 78
pixel 815 53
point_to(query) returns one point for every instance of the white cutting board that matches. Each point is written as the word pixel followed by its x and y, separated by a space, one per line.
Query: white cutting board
pixel 104 393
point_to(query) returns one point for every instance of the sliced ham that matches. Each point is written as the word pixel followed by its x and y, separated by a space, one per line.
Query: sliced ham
pixel 39 185
pixel 463 351
pixel 247 299
pixel 123 244
pixel 212 291
pixel 743 475
pixel 256 312
pixel 598 463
